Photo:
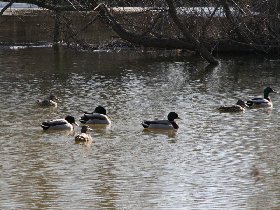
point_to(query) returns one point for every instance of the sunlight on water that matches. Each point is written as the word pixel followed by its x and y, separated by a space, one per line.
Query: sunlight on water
pixel 214 161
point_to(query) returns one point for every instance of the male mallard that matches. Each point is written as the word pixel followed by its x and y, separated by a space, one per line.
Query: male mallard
pixel 99 116
pixel 162 124
pixel 264 102
pixel 239 107
pixel 50 102
pixel 60 124
pixel 83 137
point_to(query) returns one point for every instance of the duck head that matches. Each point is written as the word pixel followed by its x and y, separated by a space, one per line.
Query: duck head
pixel 241 103
pixel 100 110
pixel 70 119
pixel 268 90
pixel 172 116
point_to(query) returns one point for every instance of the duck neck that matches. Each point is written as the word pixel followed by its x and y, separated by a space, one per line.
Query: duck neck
pixel 266 95
pixel 174 124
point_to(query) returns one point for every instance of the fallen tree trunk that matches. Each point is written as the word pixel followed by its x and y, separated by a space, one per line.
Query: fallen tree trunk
pixel 143 40
pixel 147 41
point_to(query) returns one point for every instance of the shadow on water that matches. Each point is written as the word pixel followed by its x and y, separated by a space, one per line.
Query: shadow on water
pixel 156 132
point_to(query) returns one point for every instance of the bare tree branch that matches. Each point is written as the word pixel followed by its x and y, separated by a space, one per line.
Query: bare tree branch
pixel 199 46
pixel 142 40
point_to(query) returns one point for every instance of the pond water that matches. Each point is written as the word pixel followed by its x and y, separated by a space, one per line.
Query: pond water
pixel 214 161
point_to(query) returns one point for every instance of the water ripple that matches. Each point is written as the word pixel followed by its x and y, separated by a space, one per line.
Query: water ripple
pixel 214 161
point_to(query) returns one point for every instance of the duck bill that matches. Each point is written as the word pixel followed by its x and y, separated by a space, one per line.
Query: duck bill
pixel 76 124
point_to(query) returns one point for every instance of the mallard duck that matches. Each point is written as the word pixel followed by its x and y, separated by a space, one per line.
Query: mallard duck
pixel 239 107
pixel 99 116
pixel 50 102
pixel 264 102
pixel 83 137
pixel 60 124
pixel 162 124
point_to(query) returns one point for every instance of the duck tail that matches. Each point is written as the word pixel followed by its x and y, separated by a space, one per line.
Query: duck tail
pixel 249 103
pixel 84 119
pixel 45 125
pixel 145 124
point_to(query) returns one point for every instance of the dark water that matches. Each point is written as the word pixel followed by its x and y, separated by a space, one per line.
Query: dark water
pixel 214 161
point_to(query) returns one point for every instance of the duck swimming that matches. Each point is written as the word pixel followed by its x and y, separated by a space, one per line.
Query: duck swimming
pixel 264 102
pixel 83 137
pixel 163 124
pixel 99 116
pixel 50 102
pixel 60 124
pixel 239 107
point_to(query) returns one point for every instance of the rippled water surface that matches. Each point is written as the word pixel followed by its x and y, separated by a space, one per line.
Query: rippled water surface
pixel 214 161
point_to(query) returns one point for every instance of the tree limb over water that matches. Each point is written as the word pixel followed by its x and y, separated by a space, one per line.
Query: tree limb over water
pixel 144 40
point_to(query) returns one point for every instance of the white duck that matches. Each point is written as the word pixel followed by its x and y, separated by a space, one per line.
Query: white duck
pixel 60 124
pixel 162 124
pixel 99 116
pixel 264 102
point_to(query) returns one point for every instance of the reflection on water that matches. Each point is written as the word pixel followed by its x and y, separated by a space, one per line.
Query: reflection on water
pixel 214 161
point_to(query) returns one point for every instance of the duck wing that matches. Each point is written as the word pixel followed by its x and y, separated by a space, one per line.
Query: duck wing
pixel 45 125
pixel 234 108
pixel 148 123
pixel 258 100
pixel 94 117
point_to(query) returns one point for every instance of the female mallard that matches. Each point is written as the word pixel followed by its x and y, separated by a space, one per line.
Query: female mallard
pixel 50 102
pixel 83 137
pixel 162 124
pixel 99 116
pixel 264 102
pixel 239 107
pixel 60 124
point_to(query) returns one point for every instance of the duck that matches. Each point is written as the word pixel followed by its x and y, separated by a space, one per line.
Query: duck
pixel 98 116
pixel 59 124
pixel 264 102
pixel 50 102
pixel 162 124
pixel 83 137
pixel 239 107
